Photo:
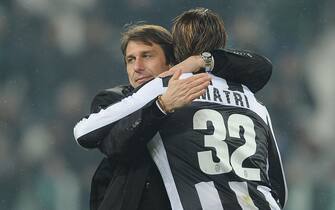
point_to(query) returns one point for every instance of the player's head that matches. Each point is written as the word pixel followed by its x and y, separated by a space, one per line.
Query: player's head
pixel 196 31
pixel 147 51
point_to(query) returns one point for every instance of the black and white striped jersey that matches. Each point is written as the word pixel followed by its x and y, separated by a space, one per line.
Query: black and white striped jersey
pixel 217 153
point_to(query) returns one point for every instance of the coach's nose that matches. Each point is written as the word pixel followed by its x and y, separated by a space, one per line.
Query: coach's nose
pixel 139 65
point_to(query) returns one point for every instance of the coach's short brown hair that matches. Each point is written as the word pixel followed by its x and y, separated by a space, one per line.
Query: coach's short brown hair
pixel 148 34
pixel 196 31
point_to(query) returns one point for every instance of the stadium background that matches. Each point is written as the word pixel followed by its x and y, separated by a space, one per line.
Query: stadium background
pixel 56 54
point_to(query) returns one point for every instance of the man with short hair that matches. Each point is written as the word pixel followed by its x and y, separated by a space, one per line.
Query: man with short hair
pixel 123 141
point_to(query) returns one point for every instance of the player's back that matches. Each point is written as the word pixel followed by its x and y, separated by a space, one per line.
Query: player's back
pixel 216 151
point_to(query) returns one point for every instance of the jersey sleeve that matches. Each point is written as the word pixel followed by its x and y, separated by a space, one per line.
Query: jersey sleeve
pixel 120 120
pixel 131 133
pixel 107 97
pixel 276 171
pixel 243 67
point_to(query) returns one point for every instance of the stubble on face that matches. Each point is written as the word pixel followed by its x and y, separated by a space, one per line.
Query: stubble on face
pixel 144 62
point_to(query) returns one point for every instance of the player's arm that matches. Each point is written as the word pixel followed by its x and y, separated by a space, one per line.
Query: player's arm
pixel 237 66
pixel 89 131
pixel 133 132
pixel 134 120
pixel 100 102
pixel 243 67
pixel 130 134
pixel 119 137
pixel 276 172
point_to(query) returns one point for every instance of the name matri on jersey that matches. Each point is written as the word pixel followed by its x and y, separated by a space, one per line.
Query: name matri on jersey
pixel 220 93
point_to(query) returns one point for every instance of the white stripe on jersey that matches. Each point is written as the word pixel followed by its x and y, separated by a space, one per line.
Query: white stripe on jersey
pixel 208 196
pixel 242 195
pixel 158 154
pixel 266 192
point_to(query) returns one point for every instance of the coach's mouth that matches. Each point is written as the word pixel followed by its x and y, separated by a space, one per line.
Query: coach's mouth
pixel 142 80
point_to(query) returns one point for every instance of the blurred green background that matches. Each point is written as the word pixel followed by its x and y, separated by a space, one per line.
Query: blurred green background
pixel 56 54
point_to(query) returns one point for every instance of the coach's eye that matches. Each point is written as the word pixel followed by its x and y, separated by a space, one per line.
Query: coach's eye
pixel 147 55
pixel 130 60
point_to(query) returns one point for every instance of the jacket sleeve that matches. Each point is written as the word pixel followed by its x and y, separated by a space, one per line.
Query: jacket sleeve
pixel 243 67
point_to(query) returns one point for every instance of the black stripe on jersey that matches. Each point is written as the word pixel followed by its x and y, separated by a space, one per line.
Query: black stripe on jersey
pixel 229 199
pixel 276 173
pixel 235 86
pixel 185 194
pixel 258 198
pixel 166 81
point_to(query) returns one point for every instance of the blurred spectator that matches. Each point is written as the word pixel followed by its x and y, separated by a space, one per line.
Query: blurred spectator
pixel 319 70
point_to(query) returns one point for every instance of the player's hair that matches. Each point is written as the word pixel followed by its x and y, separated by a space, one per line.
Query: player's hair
pixel 148 34
pixel 196 31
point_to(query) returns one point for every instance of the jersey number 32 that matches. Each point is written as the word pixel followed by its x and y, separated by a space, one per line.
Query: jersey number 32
pixel 217 140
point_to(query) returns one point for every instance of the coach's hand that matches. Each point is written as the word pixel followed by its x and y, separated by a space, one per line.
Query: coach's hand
pixel 181 92
pixel 191 64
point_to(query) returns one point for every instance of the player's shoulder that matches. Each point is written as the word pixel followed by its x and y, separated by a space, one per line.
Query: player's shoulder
pixel 109 96
pixel 122 90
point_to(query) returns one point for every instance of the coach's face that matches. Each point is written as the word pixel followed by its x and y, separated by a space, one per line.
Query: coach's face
pixel 144 62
